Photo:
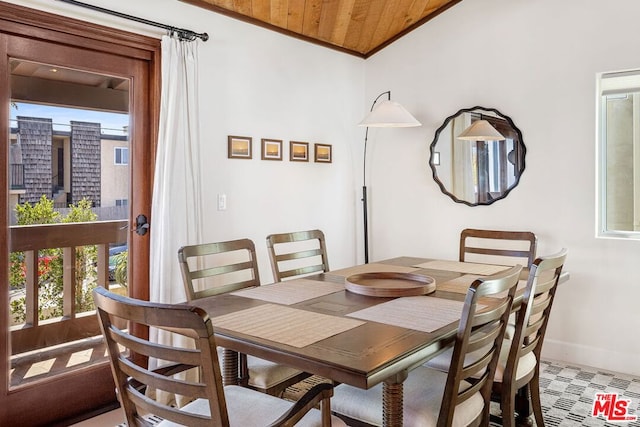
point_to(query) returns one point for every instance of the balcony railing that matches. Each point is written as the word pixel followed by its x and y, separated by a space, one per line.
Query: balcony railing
pixel 16 176
pixel 34 333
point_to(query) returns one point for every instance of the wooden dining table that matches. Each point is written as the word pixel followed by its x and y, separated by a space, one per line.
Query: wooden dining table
pixel 314 324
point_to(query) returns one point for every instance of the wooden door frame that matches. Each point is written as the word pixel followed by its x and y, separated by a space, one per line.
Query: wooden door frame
pixel 27 405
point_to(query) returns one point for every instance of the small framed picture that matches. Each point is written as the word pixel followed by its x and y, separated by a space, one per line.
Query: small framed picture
pixel 271 149
pixel 239 147
pixel 298 151
pixel 322 153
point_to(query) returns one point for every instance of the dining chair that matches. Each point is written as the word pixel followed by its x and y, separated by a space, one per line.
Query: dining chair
pixel 210 403
pixel 297 254
pixel 519 363
pixel 436 398
pixel 215 268
pixel 498 247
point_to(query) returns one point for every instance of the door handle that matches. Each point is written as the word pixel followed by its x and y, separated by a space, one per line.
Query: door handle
pixel 142 225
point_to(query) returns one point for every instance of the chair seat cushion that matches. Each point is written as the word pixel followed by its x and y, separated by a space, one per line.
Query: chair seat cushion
pixel 249 408
pixel 423 393
pixel 526 365
pixel 264 374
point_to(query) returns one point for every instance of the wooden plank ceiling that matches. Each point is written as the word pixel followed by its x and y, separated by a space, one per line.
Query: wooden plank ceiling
pixel 358 27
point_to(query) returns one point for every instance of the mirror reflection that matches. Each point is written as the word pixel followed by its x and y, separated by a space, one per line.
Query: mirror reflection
pixel 477 156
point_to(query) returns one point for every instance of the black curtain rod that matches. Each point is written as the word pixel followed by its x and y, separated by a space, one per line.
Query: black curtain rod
pixel 180 32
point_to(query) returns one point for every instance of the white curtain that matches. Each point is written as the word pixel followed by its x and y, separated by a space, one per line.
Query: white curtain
pixel 176 213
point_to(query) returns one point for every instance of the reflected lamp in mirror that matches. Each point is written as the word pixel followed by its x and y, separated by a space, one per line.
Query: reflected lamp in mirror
pixel 481 130
pixel 618 154
pixel 480 156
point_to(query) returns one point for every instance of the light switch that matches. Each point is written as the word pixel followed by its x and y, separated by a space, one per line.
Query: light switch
pixel 222 202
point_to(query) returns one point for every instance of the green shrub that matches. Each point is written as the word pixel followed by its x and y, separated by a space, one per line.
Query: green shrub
pixel 50 262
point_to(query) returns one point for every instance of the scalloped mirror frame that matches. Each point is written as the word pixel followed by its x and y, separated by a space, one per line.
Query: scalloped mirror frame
pixel 433 156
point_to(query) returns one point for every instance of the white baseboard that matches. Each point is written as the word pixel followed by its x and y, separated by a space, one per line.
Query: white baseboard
pixel 595 357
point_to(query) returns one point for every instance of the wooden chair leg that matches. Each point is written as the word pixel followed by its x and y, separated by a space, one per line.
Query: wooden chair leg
pixel 508 408
pixel 534 386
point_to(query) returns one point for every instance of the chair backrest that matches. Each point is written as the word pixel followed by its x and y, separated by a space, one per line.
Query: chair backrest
pixel 115 313
pixel 478 341
pixel 498 247
pixel 533 315
pixel 297 254
pixel 216 268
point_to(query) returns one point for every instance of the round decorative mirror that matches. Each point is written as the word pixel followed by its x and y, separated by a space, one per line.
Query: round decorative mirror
pixel 477 156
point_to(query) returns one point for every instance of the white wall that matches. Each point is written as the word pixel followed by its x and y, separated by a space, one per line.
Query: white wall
pixel 258 83
pixel 265 85
pixel 536 62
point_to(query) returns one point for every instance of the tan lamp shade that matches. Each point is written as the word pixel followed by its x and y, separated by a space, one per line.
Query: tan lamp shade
pixel 389 114
pixel 481 130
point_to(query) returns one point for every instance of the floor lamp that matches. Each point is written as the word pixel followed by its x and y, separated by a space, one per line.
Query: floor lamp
pixel 387 114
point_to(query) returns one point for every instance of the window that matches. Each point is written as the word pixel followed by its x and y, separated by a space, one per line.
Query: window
pixel 122 156
pixel 122 202
pixel 618 154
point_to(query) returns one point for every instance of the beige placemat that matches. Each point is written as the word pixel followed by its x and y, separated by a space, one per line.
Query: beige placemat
pixel 372 268
pixel 464 267
pixel 285 325
pixel 420 313
pixel 291 292
pixel 461 285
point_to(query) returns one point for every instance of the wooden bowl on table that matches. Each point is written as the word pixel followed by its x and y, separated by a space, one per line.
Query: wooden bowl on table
pixel 390 285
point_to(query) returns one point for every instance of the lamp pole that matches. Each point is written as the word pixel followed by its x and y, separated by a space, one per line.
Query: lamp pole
pixel 365 223
pixel 365 210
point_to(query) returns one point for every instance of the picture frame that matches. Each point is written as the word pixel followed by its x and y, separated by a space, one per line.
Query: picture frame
pixel 239 147
pixel 271 149
pixel 322 153
pixel 298 151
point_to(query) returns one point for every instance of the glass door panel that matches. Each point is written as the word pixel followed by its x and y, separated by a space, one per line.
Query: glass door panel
pixel 69 188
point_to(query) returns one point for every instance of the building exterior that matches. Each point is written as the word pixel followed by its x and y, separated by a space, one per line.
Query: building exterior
pixel 67 166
